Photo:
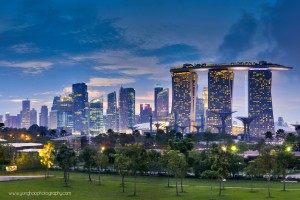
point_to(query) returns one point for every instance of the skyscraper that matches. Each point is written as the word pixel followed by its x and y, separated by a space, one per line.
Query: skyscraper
pixel 260 101
pixel 53 119
pixel 65 119
pixel 33 117
pixel 112 112
pixel 25 113
pixel 96 117
pixel 55 103
pixel 80 99
pixel 163 104
pixel 158 88
pixel 126 108
pixel 1 118
pixel 205 102
pixel 145 113
pixel 44 116
pixel 184 89
pixel 220 85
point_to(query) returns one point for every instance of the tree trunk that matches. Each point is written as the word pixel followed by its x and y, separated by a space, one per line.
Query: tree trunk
pixel 45 173
pixel 134 192
pixel 176 187
pixel 65 177
pixel 210 190
pixel 283 181
pixel 123 183
pixel 251 184
pixel 99 176
pixel 220 188
pixel 269 191
pixel 181 185
pixel 168 181
pixel 89 171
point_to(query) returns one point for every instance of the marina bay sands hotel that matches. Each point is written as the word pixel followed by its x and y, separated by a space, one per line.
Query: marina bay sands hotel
pixel 220 91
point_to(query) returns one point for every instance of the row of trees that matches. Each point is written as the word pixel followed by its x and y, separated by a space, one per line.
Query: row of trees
pixel 178 159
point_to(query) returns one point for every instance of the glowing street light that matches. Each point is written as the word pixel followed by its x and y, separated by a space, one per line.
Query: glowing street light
pixel 288 149
pixel 102 149
pixel 223 148
pixel 233 148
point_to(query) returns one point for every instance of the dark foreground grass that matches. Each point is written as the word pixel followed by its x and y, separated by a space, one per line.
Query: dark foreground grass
pixel 147 188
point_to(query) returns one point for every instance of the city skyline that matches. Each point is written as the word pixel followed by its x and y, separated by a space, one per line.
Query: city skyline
pixel 108 49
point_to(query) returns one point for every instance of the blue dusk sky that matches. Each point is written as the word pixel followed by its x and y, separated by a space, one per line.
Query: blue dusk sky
pixel 46 46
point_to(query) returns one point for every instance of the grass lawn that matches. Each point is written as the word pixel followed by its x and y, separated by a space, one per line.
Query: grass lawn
pixel 147 188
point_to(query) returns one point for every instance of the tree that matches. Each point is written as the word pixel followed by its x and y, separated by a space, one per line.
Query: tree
pixel 280 134
pixel 47 157
pixel 122 162
pixel 199 161
pixel 266 164
pixel 88 156
pixel 209 174
pixel 290 138
pixel 66 158
pixel 220 164
pixel 184 145
pixel 268 136
pixel 165 161
pixel 207 136
pixel 137 156
pixel 251 171
pixel 178 166
pixel 283 159
pixel 101 161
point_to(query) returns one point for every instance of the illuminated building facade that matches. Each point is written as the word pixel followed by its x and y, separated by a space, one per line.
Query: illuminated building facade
pixel 184 88
pixel 145 113
pixel 158 88
pixel 199 110
pixel 260 101
pixel 33 117
pixel 96 123
pixel 44 116
pixel 220 85
pixel 163 104
pixel 25 114
pixel 126 108
pixel 80 99
pixel 112 112
pixel 65 119
pixel 53 119
pixel 205 102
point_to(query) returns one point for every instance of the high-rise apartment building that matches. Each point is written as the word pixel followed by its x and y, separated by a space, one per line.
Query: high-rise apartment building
pixel 112 112
pixel 126 108
pixel 96 124
pixel 163 104
pixel 25 113
pixel 44 116
pixel 145 113
pixel 184 90
pixel 260 101
pixel 80 100
pixel 158 88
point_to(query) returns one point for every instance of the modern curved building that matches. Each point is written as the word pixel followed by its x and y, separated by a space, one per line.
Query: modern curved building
pixel 220 92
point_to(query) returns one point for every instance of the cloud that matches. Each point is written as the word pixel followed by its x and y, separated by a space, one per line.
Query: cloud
pixel 24 48
pixel 20 100
pixel 30 67
pixel 239 38
pixel 95 94
pixel 106 82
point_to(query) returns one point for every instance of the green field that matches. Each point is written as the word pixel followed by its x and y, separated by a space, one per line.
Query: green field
pixel 147 188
